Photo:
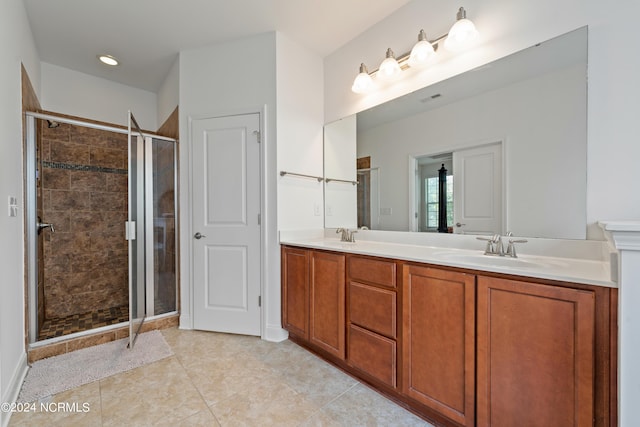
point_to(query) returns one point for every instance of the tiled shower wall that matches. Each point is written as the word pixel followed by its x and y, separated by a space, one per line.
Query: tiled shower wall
pixel 84 192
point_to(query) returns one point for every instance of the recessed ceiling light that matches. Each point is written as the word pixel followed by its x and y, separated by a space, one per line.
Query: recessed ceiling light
pixel 108 59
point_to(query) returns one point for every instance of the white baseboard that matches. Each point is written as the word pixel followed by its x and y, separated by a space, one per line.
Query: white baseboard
pixel 275 333
pixel 13 389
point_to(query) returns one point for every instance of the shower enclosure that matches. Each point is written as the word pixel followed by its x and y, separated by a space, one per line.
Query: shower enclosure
pixel 101 222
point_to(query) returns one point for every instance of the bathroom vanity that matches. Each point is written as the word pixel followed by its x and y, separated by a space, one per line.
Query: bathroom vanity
pixel 458 337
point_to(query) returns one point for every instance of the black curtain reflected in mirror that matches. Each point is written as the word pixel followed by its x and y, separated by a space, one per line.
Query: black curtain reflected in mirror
pixel 442 200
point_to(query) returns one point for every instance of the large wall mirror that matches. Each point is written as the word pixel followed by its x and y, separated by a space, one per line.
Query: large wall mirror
pixel 511 137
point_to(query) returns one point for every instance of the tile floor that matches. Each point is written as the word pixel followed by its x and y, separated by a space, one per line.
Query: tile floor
pixel 60 326
pixel 226 380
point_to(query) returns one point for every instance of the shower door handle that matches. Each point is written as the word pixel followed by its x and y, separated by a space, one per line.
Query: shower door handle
pixel 41 226
pixel 199 235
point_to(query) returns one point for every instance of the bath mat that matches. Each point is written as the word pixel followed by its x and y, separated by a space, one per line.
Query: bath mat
pixel 56 374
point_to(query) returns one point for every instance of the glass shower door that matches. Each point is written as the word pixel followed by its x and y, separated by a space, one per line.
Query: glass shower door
pixel 135 229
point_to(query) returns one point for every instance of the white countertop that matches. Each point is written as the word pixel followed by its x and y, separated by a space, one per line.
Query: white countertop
pixel 631 225
pixel 586 270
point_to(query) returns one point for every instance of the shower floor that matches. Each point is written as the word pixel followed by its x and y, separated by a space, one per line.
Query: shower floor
pixel 60 326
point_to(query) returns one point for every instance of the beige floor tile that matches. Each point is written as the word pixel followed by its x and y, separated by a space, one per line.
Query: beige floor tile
pixel 271 403
pixel 227 380
pixel 217 380
pixel 193 347
pixel 280 356
pixel 321 419
pixel 316 379
pixel 158 392
pixel 202 419
pixel 81 408
pixel 361 406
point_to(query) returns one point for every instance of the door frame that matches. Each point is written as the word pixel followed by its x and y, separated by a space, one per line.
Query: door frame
pixel 450 148
pixel 187 290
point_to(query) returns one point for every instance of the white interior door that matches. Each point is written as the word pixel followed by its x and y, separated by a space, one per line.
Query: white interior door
pixel 226 224
pixel 477 190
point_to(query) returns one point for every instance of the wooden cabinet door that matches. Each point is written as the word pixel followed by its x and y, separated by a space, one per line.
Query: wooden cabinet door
pixel 438 341
pixel 535 354
pixel 295 291
pixel 327 302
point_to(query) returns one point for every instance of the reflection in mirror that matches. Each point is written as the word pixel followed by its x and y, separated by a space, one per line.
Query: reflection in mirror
pixel 368 198
pixel 340 174
pixel 515 130
pixel 428 199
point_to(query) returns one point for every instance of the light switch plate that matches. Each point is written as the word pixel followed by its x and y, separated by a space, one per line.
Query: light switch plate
pixel 13 206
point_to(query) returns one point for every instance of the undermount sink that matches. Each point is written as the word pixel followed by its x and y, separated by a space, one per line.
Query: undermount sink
pixel 492 260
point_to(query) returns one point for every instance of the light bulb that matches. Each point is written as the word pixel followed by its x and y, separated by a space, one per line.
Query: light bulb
pixel 422 51
pixel 363 82
pixel 389 68
pixel 461 33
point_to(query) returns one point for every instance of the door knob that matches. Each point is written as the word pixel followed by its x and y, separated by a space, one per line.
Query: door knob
pixel 199 236
pixel 459 224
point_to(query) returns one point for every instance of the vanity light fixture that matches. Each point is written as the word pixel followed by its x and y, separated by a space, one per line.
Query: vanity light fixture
pixel 422 51
pixel 458 37
pixel 363 82
pixel 389 68
pixel 461 33
pixel 108 60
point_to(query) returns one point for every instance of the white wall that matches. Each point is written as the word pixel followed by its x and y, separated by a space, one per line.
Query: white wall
pixel 169 93
pixel 507 27
pixel 299 82
pixel 226 78
pixel 531 118
pixel 16 46
pixel 70 92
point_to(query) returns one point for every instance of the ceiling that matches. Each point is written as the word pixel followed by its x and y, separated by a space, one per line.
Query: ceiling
pixel 146 35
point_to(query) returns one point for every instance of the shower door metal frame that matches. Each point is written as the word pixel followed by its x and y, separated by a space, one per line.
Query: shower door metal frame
pixel 31 232
pixel 30 225
pixel 150 221
pixel 136 229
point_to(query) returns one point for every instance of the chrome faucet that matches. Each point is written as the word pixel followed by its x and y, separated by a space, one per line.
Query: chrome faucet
pixel 346 236
pixel 495 245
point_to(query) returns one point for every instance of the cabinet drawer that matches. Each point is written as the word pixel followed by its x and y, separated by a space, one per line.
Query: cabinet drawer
pixel 373 308
pixel 372 354
pixel 373 271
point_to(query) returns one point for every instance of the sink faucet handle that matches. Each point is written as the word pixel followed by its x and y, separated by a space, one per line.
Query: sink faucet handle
pixel 489 250
pixel 511 248
pixel 346 234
